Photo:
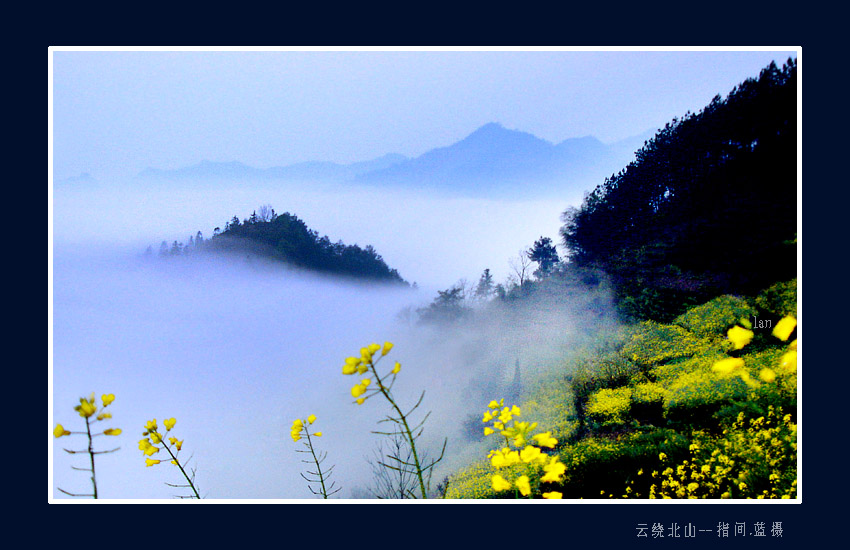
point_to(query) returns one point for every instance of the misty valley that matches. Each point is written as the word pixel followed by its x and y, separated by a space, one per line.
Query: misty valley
pixel 626 331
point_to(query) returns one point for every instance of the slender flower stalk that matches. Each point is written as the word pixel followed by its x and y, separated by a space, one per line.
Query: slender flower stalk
pixel 155 441
pixel 87 409
pixel 367 364
pixel 326 487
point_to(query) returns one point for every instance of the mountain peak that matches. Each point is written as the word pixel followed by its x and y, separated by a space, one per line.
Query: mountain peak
pixel 491 127
pixel 494 136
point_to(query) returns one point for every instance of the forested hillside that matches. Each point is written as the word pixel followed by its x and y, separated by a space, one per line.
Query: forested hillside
pixel 696 397
pixel 708 207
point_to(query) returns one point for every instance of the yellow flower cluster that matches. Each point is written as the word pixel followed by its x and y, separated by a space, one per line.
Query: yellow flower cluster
pixel 754 458
pixel 740 337
pixel 610 405
pixel 298 428
pixel 153 438
pixel 516 433
pixel 365 363
pixel 653 343
pixel 87 409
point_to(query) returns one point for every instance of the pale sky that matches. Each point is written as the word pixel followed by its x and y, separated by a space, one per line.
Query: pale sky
pixel 116 113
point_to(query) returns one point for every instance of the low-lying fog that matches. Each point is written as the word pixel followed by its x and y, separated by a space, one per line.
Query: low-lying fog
pixel 236 350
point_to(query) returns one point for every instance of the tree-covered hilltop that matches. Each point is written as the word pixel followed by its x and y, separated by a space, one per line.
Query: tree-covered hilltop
pixel 286 238
pixel 708 207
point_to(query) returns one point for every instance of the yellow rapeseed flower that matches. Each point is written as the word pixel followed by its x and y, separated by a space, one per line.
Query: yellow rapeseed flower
pixel 728 365
pixel 500 483
pixel 169 424
pixel 59 431
pixel 151 462
pixel 767 375
pixel 739 336
pixel 150 425
pixel 554 470
pixel 748 380
pixel 311 418
pixel 112 431
pixel 553 495
pixel 387 347
pixel 156 439
pixel 789 361
pixel 318 434
pixel 530 453
pixel 522 483
pixel 487 431
pixel 358 390
pixel 785 327
pixel 86 407
pixel 107 399
pixel 396 368
pixel 505 457
pixel 545 440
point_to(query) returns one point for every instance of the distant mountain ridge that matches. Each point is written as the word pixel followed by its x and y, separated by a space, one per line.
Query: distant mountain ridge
pixel 301 170
pixel 491 161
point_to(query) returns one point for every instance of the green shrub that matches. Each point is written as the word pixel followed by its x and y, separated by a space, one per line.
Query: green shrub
pixel 610 406
pixel 599 467
pixel 714 318
pixel 780 299
pixel 752 458
pixel 653 343
pixel 668 373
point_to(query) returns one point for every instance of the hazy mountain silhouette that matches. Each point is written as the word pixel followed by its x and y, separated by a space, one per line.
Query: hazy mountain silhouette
pixel 83 181
pixel 491 161
pixel 494 160
pixel 311 170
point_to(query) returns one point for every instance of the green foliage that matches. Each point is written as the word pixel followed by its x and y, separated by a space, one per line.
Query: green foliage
pixel 545 255
pixel 653 343
pixel 447 306
pixel 610 406
pixel 707 208
pixel 693 398
pixel 755 457
pixel 714 318
pixel 599 467
pixel 287 238
pixel 654 416
pixel 780 299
